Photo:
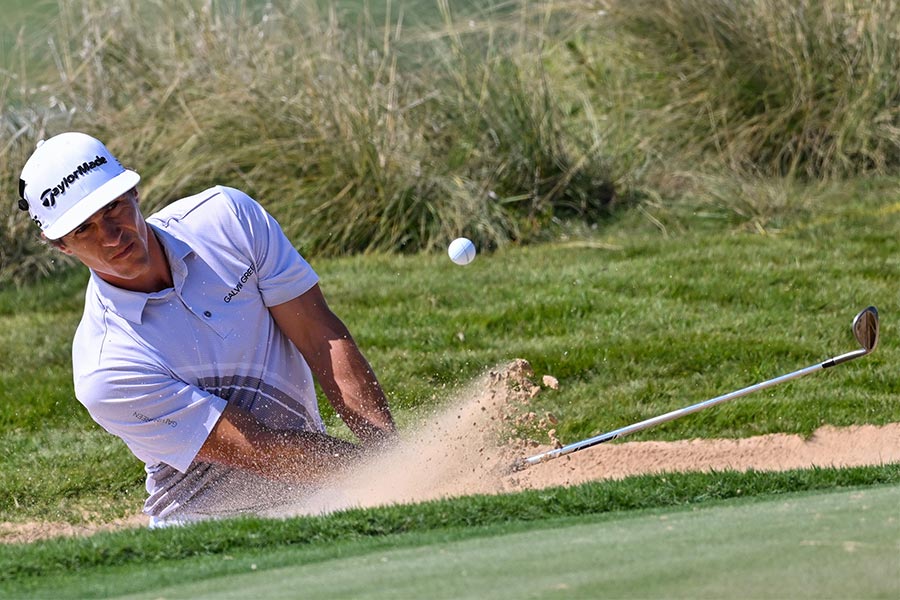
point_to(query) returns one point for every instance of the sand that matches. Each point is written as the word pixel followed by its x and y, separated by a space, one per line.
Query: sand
pixel 461 451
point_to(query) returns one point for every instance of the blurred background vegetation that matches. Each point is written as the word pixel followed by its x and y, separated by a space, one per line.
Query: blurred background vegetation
pixel 396 127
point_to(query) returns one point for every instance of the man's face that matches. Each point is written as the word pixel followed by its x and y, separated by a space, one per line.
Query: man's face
pixel 113 241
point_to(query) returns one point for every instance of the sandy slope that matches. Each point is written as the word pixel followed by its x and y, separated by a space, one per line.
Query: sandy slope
pixel 456 452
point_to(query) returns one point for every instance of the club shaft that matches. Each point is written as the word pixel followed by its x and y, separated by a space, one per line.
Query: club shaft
pixel 675 414
pixel 865 329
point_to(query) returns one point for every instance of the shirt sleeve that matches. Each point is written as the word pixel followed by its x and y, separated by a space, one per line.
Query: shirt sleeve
pixel 283 274
pixel 160 418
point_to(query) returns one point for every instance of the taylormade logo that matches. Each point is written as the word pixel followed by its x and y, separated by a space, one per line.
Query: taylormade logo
pixel 48 197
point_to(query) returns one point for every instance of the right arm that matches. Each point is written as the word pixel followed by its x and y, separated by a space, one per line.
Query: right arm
pixel 240 440
pixel 164 420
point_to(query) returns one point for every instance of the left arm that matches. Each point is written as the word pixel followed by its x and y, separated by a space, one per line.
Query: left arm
pixel 337 363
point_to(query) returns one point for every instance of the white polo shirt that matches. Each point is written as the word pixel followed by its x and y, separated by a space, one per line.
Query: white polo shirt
pixel 158 369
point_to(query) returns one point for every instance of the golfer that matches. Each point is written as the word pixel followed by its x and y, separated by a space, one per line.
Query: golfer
pixel 202 333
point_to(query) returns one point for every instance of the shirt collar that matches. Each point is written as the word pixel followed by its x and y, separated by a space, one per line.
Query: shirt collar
pixel 130 305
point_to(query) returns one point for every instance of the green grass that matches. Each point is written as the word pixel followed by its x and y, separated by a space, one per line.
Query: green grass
pixel 763 525
pixel 827 546
pixel 632 323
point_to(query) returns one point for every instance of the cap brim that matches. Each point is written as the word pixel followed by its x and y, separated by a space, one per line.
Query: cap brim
pixel 91 203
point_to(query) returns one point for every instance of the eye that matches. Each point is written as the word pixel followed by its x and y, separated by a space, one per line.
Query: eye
pixel 81 228
pixel 112 205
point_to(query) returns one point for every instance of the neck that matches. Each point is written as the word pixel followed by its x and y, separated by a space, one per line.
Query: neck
pixel 160 275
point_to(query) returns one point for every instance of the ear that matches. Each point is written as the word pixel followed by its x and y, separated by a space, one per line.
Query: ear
pixel 58 244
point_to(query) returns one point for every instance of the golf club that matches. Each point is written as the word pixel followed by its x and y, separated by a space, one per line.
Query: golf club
pixel 865 330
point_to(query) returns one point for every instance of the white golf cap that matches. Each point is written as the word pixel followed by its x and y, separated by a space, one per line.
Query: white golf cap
pixel 67 179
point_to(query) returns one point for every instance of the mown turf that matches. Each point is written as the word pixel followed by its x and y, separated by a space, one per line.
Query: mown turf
pixel 25 566
pixel 142 560
pixel 835 545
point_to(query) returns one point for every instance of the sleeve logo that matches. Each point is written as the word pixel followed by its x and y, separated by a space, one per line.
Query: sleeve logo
pixel 240 284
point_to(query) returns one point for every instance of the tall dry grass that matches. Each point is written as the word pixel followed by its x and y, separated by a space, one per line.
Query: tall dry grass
pixel 432 119
pixel 772 87
pixel 359 135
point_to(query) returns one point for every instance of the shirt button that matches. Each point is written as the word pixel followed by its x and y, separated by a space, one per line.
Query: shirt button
pixel 207 314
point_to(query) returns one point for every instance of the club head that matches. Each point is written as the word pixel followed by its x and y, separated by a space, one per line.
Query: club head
pixel 865 328
pixel 519 465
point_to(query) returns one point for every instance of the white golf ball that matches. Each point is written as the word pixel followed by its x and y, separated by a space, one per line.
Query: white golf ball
pixel 462 251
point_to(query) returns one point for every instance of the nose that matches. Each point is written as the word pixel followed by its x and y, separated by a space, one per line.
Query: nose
pixel 110 232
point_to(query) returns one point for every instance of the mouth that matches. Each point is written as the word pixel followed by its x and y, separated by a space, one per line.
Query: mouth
pixel 125 251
